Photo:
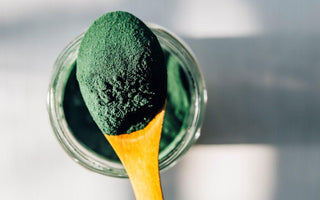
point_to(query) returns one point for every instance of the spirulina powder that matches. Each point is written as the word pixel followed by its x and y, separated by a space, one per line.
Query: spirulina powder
pixel 121 73
pixel 87 132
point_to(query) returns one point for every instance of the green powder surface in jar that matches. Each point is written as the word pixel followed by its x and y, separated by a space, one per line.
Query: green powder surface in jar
pixel 87 132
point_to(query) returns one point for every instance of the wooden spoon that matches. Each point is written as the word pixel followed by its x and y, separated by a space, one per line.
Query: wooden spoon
pixel 138 152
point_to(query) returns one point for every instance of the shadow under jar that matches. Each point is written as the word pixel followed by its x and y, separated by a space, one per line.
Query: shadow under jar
pixel 83 141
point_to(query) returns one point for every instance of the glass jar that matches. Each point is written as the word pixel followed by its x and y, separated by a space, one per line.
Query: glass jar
pixel 171 154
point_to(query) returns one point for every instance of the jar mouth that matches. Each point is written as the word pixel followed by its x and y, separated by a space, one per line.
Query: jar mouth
pixel 92 161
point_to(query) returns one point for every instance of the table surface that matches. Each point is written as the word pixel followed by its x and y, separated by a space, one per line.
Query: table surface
pixel 260 137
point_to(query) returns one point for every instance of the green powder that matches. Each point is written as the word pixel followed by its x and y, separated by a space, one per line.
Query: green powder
pixel 87 132
pixel 121 73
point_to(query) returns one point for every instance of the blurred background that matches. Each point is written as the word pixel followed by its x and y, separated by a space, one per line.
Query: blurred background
pixel 261 133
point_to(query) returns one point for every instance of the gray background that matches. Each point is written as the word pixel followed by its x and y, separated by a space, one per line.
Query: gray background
pixel 260 137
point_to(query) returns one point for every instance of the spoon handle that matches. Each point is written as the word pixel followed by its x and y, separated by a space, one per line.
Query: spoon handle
pixel 138 152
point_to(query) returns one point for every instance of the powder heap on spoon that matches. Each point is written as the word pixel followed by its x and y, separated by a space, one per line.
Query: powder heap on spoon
pixel 121 72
